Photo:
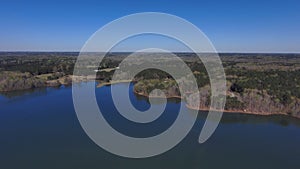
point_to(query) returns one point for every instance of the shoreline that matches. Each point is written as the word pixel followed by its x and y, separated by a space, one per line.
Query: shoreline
pixel 224 111
pixel 240 112
pixel 80 79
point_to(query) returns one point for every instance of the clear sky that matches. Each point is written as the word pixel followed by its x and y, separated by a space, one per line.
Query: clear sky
pixel 232 25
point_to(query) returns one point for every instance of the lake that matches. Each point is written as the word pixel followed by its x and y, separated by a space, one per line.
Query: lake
pixel 39 129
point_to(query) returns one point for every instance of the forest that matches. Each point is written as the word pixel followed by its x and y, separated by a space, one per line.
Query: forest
pixel 256 83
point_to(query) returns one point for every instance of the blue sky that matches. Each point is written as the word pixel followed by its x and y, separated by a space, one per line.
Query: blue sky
pixel 232 25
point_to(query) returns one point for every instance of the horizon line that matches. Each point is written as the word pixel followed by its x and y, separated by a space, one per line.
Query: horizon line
pixel 222 52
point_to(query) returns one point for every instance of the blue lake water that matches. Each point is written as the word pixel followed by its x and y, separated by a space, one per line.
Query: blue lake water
pixel 39 129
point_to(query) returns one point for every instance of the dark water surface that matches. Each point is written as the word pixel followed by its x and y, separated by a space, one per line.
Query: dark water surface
pixel 39 129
